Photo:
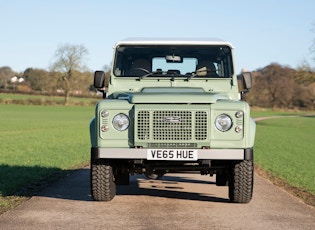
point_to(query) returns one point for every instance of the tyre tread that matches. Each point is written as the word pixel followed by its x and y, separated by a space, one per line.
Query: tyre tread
pixel 103 187
pixel 241 182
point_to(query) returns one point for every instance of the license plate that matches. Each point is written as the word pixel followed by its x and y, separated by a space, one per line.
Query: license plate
pixel 172 154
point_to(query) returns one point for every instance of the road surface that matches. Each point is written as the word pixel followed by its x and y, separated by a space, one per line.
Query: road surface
pixel 177 201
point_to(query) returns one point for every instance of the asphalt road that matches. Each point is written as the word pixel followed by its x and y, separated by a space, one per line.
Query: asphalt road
pixel 177 201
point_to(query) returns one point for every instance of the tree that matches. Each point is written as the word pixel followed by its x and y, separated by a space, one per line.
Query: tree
pixel 312 48
pixel 39 79
pixel 274 86
pixel 69 61
pixel 304 74
pixel 107 70
pixel 5 74
pixel 283 87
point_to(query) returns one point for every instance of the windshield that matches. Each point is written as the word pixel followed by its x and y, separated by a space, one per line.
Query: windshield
pixel 173 61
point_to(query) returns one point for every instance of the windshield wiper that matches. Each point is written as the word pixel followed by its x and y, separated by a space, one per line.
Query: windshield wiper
pixel 165 74
pixel 200 72
pixel 149 74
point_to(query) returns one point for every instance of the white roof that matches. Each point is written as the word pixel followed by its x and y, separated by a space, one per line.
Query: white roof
pixel 173 41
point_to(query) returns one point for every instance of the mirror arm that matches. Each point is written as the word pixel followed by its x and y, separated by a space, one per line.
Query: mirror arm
pixel 104 92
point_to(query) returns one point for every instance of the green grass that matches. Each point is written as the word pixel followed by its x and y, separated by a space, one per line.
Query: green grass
pixel 285 147
pixel 24 99
pixel 37 141
pixel 270 112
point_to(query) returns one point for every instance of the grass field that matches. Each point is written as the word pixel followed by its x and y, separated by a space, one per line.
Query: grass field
pixel 39 141
pixel 24 99
pixel 286 148
pixel 269 112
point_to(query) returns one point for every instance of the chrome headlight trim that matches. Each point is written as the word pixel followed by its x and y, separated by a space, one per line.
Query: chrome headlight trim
pixel 121 122
pixel 223 122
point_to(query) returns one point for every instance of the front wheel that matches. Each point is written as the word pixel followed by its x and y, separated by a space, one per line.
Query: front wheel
pixel 241 181
pixel 103 187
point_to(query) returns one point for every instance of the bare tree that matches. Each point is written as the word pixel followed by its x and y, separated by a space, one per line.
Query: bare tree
pixel 304 74
pixel 107 70
pixel 305 77
pixel 274 86
pixel 69 61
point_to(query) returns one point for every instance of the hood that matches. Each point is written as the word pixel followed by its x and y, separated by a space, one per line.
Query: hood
pixel 172 95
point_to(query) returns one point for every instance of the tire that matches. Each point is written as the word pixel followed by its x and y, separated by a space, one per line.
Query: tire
pixel 103 187
pixel 241 181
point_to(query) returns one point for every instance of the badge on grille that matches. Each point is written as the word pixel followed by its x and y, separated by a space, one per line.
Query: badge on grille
pixel 172 119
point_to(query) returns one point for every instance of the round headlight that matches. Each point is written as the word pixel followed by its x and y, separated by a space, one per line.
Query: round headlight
pixel 121 122
pixel 223 122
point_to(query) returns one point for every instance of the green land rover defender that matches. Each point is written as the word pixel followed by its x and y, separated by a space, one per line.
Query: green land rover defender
pixel 172 105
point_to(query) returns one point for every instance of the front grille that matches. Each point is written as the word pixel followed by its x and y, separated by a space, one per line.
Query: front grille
pixel 171 125
pixel 143 125
pixel 201 125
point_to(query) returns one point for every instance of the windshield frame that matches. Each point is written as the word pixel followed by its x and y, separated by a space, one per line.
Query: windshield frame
pixel 126 54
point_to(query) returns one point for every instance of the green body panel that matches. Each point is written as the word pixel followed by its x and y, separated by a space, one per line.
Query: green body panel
pixel 93 133
pixel 209 103
pixel 172 95
pixel 248 135
pixel 120 86
pixel 112 138
pixel 195 97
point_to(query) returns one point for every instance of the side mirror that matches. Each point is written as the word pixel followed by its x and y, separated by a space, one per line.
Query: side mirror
pixel 245 79
pixel 99 82
pixel 99 79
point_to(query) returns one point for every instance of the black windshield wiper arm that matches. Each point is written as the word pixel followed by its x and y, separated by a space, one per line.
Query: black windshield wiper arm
pixel 147 75
pixel 150 74
pixel 170 75
pixel 200 72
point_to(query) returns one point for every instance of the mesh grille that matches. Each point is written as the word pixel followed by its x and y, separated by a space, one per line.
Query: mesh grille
pixel 172 125
pixel 201 125
pixel 143 125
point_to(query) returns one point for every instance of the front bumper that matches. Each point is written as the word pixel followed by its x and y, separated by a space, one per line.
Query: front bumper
pixel 203 154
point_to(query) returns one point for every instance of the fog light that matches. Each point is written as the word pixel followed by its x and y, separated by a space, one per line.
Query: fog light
pixel 104 113
pixel 104 128
pixel 238 128
pixel 239 114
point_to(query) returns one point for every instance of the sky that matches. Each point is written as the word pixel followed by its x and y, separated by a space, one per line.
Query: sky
pixel 262 32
